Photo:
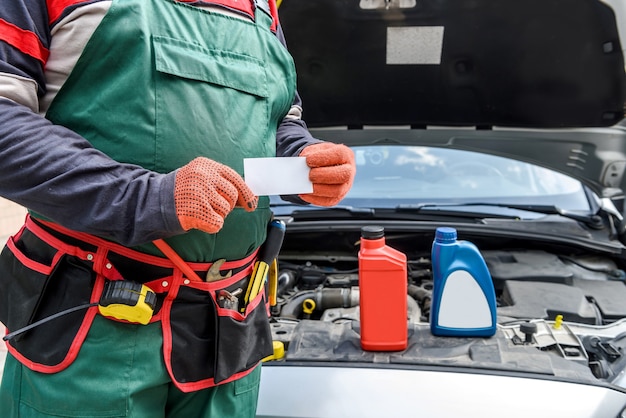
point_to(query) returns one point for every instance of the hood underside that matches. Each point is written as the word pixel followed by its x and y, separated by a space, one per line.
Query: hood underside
pixel 529 64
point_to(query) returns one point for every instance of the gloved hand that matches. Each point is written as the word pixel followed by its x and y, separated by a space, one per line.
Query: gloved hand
pixel 332 172
pixel 205 191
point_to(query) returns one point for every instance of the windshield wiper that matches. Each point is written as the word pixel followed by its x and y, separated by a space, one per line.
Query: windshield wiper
pixel 592 220
pixel 333 211
pixel 446 209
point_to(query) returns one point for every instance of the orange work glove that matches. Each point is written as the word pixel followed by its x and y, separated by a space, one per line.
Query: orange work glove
pixel 205 191
pixel 332 172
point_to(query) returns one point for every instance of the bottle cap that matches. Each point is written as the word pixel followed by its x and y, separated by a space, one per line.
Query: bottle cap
pixel 445 234
pixel 372 232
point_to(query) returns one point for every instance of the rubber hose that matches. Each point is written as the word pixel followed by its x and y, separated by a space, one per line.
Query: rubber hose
pixel 324 299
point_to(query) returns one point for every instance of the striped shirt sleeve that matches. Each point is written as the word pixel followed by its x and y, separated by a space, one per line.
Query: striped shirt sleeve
pixel 52 170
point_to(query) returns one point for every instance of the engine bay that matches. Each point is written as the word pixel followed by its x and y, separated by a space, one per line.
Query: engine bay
pixel 546 294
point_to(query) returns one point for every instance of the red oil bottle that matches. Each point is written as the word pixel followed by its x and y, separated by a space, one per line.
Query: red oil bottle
pixel 383 293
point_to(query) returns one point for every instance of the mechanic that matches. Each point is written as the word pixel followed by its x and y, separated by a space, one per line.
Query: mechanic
pixel 125 123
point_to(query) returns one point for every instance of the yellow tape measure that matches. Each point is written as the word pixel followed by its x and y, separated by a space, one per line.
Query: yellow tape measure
pixel 128 301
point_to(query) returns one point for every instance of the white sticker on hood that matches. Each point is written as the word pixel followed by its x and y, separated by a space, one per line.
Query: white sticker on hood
pixel 416 45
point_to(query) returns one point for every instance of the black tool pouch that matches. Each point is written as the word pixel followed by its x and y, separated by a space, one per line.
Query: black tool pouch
pixel 37 281
pixel 211 344
pixel 204 343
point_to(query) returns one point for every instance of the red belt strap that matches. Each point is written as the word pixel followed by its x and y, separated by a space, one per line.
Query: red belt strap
pixel 103 246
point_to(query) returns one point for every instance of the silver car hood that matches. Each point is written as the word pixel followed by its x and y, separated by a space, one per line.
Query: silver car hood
pixel 346 392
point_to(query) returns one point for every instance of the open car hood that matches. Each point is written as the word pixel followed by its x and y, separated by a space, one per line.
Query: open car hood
pixel 550 72
pixel 541 81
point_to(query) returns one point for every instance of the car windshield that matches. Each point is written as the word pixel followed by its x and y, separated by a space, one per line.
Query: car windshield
pixel 389 175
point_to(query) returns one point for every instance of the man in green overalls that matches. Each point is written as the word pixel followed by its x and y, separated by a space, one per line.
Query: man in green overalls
pixel 124 122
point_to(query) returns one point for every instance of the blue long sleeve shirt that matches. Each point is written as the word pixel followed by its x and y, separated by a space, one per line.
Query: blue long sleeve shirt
pixel 53 171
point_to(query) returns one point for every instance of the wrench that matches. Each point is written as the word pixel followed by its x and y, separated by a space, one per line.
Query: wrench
pixel 214 273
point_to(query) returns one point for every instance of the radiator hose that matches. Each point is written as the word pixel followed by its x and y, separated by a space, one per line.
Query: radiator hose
pixel 323 298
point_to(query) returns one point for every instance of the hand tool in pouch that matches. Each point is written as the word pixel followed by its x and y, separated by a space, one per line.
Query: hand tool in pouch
pixel 268 253
pixel 272 279
pixel 214 273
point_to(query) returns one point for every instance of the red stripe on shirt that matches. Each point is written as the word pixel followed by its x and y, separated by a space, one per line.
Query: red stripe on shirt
pixel 274 12
pixel 26 41
pixel 56 8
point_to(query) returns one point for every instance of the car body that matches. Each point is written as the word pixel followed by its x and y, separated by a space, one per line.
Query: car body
pixel 503 120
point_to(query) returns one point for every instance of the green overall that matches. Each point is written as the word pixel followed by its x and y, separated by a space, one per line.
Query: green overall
pixel 159 84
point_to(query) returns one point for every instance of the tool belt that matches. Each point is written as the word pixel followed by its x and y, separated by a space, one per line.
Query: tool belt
pixel 45 269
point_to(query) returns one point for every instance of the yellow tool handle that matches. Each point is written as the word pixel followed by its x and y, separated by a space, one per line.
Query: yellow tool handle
pixel 273 283
pixel 267 255
pixel 257 280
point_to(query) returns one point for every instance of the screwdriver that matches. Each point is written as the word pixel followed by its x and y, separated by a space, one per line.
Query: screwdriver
pixel 269 251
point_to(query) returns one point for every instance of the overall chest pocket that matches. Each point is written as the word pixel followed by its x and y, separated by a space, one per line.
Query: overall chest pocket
pixel 209 102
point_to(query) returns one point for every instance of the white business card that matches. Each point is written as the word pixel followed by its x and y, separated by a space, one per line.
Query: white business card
pixel 277 176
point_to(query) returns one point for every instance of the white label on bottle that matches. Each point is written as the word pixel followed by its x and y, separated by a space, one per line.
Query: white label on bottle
pixel 463 303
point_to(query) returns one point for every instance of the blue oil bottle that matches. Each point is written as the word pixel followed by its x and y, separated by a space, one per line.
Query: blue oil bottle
pixel 464 301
